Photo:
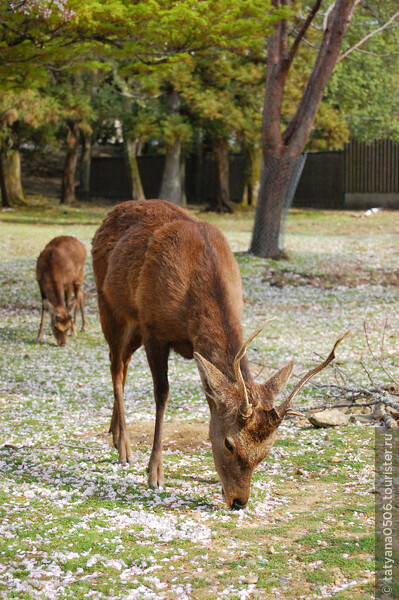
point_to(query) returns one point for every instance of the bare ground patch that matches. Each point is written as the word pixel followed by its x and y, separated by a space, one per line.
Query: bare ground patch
pixel 331 276
pixel 185 437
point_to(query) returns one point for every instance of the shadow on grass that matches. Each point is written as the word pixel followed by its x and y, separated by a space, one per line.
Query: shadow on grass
pixel 65 478
pixel 13 334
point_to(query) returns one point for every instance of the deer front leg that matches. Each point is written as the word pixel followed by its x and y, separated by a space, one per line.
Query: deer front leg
pixel 118 423
pixel 73 329
pixel 157 355
pixel 44 308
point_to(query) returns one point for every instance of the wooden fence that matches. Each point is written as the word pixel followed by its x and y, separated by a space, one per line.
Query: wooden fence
pixel 372 168
pixel 361 176
pixel 109 177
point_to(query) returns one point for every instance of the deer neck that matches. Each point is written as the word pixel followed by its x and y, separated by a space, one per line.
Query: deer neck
pixel 55 293
pixel 219 345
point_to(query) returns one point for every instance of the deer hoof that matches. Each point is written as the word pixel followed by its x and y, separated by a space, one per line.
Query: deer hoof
pixel 155 478
pixel 124 451
pixel 126 461
pixel 156 487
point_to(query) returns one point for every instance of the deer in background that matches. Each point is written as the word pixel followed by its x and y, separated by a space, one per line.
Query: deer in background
pixel 59 272
pixel 168 281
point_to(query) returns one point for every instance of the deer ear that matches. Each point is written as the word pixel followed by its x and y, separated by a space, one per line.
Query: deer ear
pixel 48 306
pixel 214 382
pixel 278 381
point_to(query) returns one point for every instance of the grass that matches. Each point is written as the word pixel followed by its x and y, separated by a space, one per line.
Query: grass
pixel 76 525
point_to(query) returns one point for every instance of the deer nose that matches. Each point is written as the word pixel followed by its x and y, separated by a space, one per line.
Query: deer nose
pixel 237 505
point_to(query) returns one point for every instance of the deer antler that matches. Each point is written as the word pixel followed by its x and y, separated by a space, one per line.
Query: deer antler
pixel 286 407
pixel 245 410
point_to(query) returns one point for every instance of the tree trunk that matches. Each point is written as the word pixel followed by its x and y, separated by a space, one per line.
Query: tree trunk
pixel 281 148
pixel 172 178
pixel 198 172
pixel 68 179
pixel 4 199
pixel 85 166
pixel 183 182
pixel 11 186
pixel 253 161
pixel 131 147
pixel 223 202
pixel 172 183
pixel 275 178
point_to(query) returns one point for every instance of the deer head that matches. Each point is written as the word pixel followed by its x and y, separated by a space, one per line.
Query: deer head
pixel 61 320
pixel 244 420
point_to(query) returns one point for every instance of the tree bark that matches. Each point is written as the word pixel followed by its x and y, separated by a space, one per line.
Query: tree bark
pixel 253 161
pixel 223 202
pixel 183 181
pixel 4 199
pixel 85 166
pixel 136 186
pixel 275 177
pixel 281 149
pixel 172 178
pixel 68 179
pixel 172 182
pixel 11 186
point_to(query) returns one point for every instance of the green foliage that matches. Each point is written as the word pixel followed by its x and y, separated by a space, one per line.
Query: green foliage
pixel 365 85
pixel 42 32
pixel 23 113
pixel 360 97
pixel 225 95
pixel 55 42
pixel 330 130
pixel 98 61
pixel 175 127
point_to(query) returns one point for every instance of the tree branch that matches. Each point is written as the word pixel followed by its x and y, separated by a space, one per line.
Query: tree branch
pixel 377 360
pixel 302 31
pixel 283 37
pixel 367 37
pixel 301 123
pixel 378 55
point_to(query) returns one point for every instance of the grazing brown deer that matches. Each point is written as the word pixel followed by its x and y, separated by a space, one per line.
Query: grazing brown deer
pixel 59 271
pixel 166 280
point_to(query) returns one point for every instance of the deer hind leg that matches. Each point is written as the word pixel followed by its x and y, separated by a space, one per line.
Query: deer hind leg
pixel 119 364
pixel 157 355
pixel 68 299
pixel 80 303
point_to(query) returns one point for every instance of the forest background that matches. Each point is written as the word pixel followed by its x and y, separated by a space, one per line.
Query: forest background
pixel 177 79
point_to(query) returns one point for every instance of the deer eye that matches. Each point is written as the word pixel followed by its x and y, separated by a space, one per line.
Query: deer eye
pixel 229 446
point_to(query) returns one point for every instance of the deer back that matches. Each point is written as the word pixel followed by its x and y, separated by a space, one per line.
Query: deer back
pixel 59 267
pixel 168 274
pixel 60 264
